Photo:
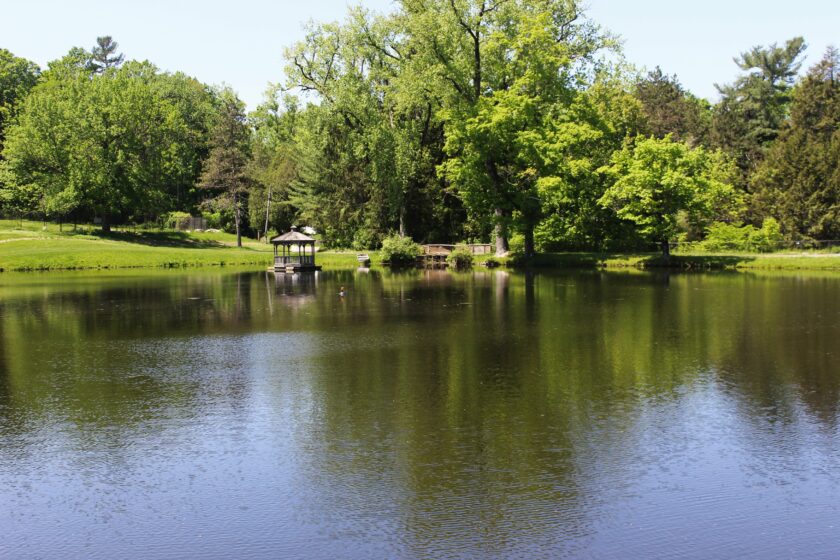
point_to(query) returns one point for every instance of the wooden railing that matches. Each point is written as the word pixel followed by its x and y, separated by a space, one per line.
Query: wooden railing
pixel 294 260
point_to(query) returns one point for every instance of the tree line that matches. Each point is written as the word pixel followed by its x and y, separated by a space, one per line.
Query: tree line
pixel 516 122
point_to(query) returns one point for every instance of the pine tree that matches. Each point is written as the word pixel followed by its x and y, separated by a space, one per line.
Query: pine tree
pixel 669 109
pixel 226 169
pixel 799 182
pixel 753 109
pixel 104 54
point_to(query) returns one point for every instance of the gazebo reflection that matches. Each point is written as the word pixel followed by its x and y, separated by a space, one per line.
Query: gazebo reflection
pixel 294 289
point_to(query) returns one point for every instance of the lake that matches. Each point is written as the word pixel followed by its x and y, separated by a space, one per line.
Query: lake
pixel 426 414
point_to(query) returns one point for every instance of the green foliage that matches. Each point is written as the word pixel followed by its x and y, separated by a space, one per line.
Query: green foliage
pixel 17 77
pixel 114 145
pixel 669 109
pixel 517 243
pixel 722 237
pixel 577 141
pixel 399 250
pixel 461 258
pixel 654 180
pixel 176 220
pixel 798 182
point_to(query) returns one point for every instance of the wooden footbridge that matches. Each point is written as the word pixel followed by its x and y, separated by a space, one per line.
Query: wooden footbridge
pixel 435 255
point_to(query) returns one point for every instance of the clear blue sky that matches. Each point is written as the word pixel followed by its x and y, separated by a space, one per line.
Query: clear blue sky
pixel 241 42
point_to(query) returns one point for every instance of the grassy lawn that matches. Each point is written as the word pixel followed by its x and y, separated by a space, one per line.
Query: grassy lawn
pixel 30 245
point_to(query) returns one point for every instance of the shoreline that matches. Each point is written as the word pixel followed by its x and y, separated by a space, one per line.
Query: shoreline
pixel 38 249
pixel 165 258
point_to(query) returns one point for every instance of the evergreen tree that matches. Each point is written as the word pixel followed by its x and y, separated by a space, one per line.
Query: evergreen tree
pixel 104 54
pixel 751 111
pixel 669 109
pixel 225 171
pixel 799 182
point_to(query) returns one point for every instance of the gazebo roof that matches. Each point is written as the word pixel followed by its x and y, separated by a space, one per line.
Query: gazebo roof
pixel 292 237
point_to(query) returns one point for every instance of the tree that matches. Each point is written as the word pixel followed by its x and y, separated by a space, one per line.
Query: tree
pixel 226 169
pixel 104 55
pixel 654 180
pixel 17 77
pixel 799 181
pixel 501 63
pixel 274 165
pixel 377 173
pixel 114 145
pixel 578 138
pixel 669 109
pixel 751 111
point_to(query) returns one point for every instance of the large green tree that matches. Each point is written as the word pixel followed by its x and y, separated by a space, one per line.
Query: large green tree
pixel 114 145
pixel 225 172
pixel 17 77
pixel 370 159
pixel 577 139
pixel 799 181
pixel 503 65
pixel 753 109
pixel 654 180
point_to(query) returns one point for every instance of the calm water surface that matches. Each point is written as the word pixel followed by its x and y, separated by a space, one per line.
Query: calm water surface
pixel 424 415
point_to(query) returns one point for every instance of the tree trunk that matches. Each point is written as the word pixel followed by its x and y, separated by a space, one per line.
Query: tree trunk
pixel 500 233
pixel 529 241
pixel 500 229
pixel 666 250
pixel 267 208
pixel 236 220
pixel 402 222
pixel 106 223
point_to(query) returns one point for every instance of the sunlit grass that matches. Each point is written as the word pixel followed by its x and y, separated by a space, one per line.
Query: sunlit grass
pixel 28 245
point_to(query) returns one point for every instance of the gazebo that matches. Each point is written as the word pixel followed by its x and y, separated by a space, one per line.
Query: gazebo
pixel 285 261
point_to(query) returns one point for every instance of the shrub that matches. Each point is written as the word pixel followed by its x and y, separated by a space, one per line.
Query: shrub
pixel 768 238
pixel 492 262
pixel 461 258
pixel 176 220
pixel 365 239
pixel 729 237
pixel 213 219
pixel 399 251
pixel 516 243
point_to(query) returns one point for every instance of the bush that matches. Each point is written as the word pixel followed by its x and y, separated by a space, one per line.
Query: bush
pixel 461 258
pixel 365 239
pixel 399 251
pixel 768 238
pixel 492 262
pixel 516 243
pixel 176 220
pixel 729 237
pixel 213 219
